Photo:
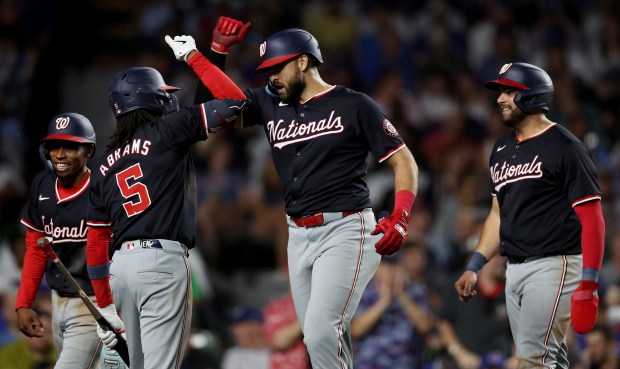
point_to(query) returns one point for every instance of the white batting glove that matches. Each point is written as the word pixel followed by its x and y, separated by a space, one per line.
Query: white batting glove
pixel 108 337
pixel 181 46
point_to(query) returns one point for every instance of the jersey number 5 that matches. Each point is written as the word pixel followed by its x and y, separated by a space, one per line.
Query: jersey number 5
pixel 144 200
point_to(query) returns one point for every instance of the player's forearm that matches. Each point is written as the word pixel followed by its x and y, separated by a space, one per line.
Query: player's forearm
pixel 220 85
pixel 98 263
pixel 590 216
pixel 202 93
pixel 405 171
pixel 488 245
pixel 32 271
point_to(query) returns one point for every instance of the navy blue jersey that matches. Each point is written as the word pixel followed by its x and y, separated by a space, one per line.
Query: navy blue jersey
pixel 147 189
pixel 537 182
pixel 63 219
pixel 320 147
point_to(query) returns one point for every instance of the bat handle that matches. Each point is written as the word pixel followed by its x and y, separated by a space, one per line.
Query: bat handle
pixel 46 246
pixel 122 349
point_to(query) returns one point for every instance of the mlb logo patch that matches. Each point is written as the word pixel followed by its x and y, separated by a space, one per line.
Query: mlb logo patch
pixel 129 245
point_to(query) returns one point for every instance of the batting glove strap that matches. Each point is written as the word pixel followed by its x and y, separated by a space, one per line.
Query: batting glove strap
pixel 181 46
pixel 584 306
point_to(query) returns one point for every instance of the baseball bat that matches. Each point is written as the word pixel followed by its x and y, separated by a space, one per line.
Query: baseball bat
pixel 121 346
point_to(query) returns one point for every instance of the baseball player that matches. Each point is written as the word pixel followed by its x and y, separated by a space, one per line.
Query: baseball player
pixel 545 218
pixel 143 193
pixel 320 136
pixel 56 209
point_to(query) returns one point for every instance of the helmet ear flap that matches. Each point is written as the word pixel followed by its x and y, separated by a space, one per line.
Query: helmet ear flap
pixel 44 152
pixel 44 155
pixel 531 103
pixel 91 148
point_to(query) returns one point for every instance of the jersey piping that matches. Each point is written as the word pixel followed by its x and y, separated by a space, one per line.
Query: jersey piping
pixel 536 135
pixel 73 192
pixel 391 152
pixel 585 199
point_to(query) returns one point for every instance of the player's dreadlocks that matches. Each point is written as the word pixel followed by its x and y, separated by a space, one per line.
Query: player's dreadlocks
pixel 126 125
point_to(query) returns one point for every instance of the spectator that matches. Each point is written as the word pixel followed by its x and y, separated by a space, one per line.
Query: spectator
pixel 393 316
pixel 610 270
pixel 283 335
pixel 471 331
pixel 249 350
pixel 33 352
pixel 600 351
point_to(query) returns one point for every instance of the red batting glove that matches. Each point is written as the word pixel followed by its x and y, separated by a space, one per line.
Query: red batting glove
pixel 394 229
pixel 584 306
pixel 228 32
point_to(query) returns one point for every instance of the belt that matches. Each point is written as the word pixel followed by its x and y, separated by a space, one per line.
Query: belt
pixel 145 244
pixel 319 219
pixel 167 246
pixel 525 259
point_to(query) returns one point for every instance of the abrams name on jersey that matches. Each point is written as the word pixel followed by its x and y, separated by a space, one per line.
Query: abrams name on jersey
pixel 137 146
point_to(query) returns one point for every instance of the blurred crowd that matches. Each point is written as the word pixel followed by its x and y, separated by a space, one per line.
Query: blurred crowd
pixel 424 62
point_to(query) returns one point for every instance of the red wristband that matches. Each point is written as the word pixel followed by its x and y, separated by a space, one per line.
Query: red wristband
pixel 404 199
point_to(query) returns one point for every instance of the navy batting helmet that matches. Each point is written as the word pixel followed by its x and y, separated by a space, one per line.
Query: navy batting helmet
pixel 287 44
pixel 534 86
pixel 141 88
pixel 72 127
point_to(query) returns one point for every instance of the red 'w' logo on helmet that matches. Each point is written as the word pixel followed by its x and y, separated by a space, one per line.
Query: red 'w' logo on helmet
pixel 62 122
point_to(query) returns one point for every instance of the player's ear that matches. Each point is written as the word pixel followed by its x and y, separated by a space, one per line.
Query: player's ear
pixel 303 62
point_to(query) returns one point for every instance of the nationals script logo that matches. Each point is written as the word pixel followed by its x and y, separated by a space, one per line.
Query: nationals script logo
pixel 282 134
pixel 62 122
pixel 509 173
pixel 65 233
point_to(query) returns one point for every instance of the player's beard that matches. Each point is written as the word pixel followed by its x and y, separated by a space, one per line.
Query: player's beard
pixel 515 117
pixel 296 87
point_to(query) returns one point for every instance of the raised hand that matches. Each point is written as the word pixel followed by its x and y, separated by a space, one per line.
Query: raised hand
pixel 181 46
pixel 465 285
pixel 228 32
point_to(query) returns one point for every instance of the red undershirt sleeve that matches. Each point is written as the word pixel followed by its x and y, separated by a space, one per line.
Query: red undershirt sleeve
pixel 98 263
pixel 220 85
pixel 590 215
pixel 35 261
